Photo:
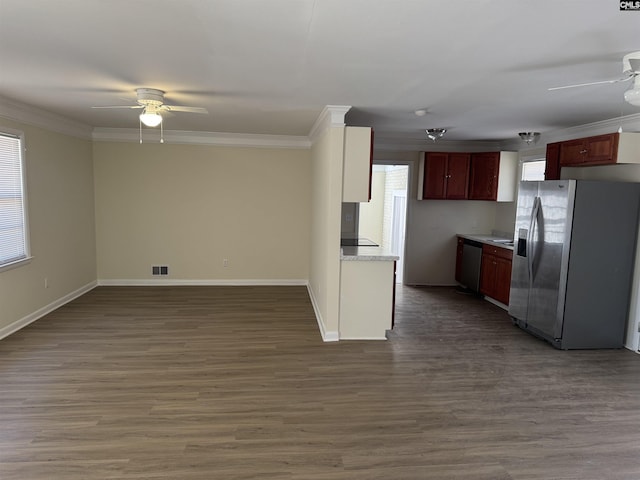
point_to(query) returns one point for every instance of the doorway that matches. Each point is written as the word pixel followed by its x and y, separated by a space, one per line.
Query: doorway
pixel 384 218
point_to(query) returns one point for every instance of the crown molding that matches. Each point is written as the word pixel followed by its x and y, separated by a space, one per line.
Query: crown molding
pixel 399 144
pixel 628 123
pixel 331 116
pixel 30 115
pixel 389 142
pixel 219 139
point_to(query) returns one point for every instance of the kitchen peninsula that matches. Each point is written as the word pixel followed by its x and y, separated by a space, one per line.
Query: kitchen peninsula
pixel 367 291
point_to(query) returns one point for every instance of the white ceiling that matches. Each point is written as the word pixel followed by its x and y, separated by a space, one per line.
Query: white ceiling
pixel 481 68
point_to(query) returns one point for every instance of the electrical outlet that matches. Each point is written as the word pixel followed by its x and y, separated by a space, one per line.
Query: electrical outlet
pixel 225 262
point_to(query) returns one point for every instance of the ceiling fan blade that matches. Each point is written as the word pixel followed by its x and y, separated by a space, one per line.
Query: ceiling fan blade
pixel 181 108
pixel 623 79
pixel 121 106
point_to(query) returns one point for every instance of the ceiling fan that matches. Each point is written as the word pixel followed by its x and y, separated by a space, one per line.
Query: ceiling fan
pixel 630 71
pixel 151 101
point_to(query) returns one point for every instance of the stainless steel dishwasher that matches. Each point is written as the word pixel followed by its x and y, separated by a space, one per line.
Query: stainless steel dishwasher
pixel 471 260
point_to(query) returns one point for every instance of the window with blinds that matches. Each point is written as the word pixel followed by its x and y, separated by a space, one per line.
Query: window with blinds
pixel 14 238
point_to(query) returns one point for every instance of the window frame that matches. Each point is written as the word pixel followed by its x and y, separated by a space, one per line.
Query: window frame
pixel 18 134
pixel 532 159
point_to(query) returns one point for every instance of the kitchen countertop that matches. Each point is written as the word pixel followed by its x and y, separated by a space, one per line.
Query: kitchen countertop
pixel 489 239
pixel 367 254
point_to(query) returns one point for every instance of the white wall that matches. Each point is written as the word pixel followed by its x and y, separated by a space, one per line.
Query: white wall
pixel 434 225
pixel 371 213
pixel 397 178
pixel 192 206
pixel 60 202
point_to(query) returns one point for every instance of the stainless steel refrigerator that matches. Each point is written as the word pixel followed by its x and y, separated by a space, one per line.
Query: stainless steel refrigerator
pixel 574 254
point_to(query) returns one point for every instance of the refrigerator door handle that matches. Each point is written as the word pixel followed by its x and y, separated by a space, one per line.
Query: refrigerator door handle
pixel 530 247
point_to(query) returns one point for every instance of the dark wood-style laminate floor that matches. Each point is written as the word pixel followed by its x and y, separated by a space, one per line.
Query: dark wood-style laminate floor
pixel 235 383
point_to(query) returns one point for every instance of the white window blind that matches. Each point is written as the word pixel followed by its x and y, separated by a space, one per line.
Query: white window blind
pixel 13 225
pixel 533 170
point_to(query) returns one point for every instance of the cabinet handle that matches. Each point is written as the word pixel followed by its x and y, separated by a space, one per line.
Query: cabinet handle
pixel 583 151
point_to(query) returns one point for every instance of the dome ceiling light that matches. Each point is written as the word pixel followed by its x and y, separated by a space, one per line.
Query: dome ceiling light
pixel 436 133
pixel 529 137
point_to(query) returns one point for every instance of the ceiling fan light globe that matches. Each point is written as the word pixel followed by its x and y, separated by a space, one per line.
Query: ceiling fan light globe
pixel 632 96
pixel 151 119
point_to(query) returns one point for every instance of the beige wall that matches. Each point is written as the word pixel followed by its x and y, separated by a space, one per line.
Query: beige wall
pixel 190 207
pixel 61 222
pixel 326 204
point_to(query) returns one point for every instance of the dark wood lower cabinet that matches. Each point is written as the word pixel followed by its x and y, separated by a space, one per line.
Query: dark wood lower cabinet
pixel 459 253
pixel 495 273
pixel 393 299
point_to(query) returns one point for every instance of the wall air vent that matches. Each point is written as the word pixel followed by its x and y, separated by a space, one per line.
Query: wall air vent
pixel 159 270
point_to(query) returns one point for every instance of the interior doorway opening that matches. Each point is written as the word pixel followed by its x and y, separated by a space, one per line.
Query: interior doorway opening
pixel 384 218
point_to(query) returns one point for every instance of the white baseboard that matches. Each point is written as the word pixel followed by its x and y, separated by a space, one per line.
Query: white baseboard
pixel 151 282
pixel 41 312
pixel 364 338
pixel 327 335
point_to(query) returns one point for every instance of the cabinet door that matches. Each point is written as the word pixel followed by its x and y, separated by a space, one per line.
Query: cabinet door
pixel 602 149
pixel 356 173
pixel 503 280
pixel 488 273
pixel 552 164
pixel 572 153
pixel 457 184
pixel 495 273
pixel 371 165
pixel 459 252
pixel 484 176
pixel 435 171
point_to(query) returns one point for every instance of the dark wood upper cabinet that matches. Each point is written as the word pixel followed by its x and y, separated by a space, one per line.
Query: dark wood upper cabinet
pixel 598 150
pixel 485 168
pixel 552 164
pixel 472 176
pixel 446 175
pixel 458 175
pixel 435 175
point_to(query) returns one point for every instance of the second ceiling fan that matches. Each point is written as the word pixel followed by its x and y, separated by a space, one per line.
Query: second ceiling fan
pixel 630 71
